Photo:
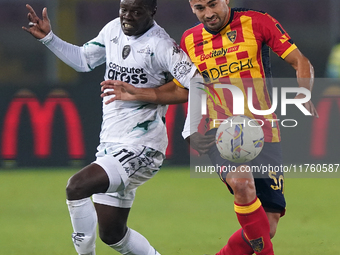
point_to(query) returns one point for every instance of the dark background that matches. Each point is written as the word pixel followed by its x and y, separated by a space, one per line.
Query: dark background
pixel 27 64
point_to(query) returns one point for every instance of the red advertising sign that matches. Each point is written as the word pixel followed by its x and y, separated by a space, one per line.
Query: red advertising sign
pixel 171 123
pixel 41 117
pixel 320 126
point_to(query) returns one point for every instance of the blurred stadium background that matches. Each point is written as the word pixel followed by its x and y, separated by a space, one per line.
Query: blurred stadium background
pixel 50 119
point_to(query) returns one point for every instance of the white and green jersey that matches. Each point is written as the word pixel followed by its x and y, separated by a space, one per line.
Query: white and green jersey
pixel 144 61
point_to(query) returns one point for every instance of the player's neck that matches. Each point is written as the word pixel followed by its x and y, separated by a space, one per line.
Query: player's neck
pixel 141 34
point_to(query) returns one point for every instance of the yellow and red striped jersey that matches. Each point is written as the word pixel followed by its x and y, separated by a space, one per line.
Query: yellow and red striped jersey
pixel 239 55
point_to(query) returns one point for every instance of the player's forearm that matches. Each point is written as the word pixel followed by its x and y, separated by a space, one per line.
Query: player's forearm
pixel 144 94
pixel 71 55
pixel 168 93
pixel 303 67
pixel 305 74
pixel 156 96
pixel 175 95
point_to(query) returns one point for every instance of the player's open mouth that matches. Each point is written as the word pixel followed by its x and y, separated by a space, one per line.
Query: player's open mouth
pixel 212 21
pixel 127 26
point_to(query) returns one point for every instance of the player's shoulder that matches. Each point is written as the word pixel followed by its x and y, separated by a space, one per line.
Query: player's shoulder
pixel 157 33
pixel 247 11
pixel 158 37
pixel 257 15
pixel 113 24
pixel 196 28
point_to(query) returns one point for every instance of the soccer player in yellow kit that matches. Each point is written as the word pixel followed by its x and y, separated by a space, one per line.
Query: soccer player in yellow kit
pixel 230 46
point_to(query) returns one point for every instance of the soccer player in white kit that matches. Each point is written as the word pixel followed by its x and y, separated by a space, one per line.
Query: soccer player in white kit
pixel 133 136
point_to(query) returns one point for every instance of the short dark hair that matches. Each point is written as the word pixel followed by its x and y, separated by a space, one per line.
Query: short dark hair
pixel 152 4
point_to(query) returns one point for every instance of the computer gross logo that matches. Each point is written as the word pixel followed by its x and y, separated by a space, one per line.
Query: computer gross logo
pixel 127 74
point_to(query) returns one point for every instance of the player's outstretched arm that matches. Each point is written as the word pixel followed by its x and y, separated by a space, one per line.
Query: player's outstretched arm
pixel 168 93
pixel 39 28
pixel 70 54
pixel 304 74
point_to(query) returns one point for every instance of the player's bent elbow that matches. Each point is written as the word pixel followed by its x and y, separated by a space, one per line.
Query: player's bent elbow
pixel 181 96
pixel 82 69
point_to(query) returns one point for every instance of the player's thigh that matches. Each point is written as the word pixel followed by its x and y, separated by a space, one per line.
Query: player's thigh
pixel 112 157
pixel 139 164
pixel 270 181
pixel 228 171
pixel 135 164
pixel 89 180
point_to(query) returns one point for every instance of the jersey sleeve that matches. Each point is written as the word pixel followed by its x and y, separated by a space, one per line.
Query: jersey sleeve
pixel 178 83
pixel 275 36
pixel 183 47
pixel 94 50
pixel 70 54
pixel 194 115
pixel 172 58
pixel 182 43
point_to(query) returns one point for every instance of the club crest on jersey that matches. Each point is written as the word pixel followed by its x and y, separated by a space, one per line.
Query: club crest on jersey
pixel 232 35
pixel 126 51
pixel 181 69
pixel 257 244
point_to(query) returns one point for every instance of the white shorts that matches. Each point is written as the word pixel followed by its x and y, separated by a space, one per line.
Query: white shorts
pixel 127 166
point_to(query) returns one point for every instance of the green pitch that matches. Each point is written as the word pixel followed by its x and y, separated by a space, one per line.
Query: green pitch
pixel 178 214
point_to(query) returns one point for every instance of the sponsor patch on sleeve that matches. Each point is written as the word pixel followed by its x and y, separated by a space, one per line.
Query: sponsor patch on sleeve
pixel 181 69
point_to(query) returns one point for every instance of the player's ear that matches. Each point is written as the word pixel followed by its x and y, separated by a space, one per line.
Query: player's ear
pixel 192 7
pixel 154 11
